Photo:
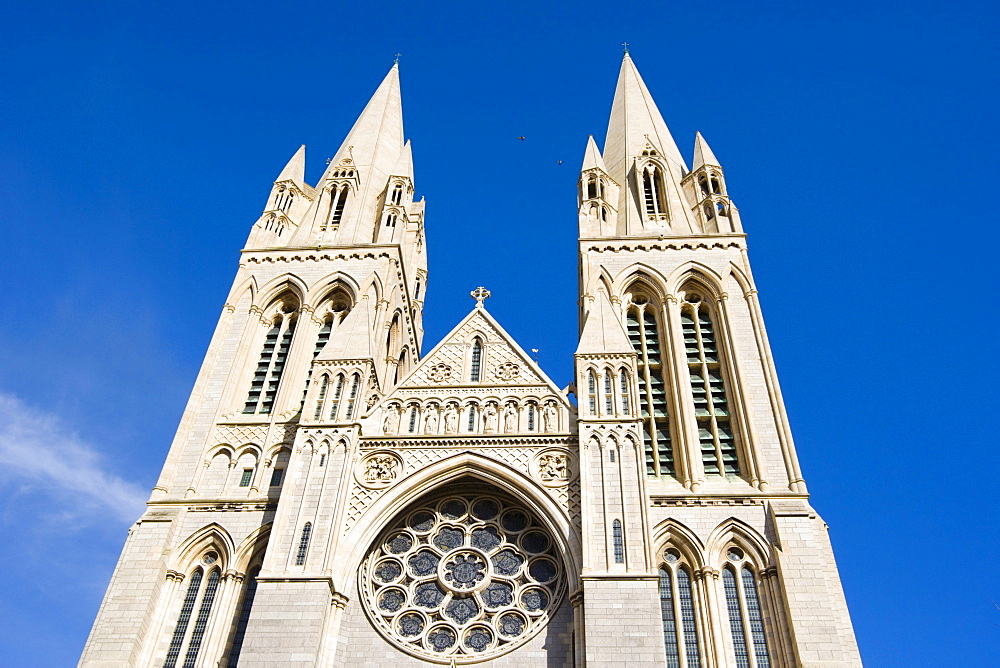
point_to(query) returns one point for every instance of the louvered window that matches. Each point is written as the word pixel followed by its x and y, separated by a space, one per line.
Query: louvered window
pixel 321 341
pixel 708 388
pixel 271 364
pixel 618 541
pixel 644 334
pixel 338 202
pixel 300 557
pixel 652 190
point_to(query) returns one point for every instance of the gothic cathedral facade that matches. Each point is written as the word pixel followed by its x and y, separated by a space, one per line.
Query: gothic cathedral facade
pixel 336 495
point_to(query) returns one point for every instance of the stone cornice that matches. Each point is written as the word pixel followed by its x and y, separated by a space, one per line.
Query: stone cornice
pixel 661 243
pixel 470 441
pixel 721 499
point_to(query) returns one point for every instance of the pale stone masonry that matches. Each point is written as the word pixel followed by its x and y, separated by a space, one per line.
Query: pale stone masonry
pixel 337 496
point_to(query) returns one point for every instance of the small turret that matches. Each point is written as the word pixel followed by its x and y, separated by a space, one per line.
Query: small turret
pixel 597 191
pixel 705 188
pixel 289 199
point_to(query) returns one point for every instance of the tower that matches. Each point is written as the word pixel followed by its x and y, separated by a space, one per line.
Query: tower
pixel 337 496
pixel 694 508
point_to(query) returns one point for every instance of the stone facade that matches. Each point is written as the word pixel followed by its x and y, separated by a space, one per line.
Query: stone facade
pixel 336 496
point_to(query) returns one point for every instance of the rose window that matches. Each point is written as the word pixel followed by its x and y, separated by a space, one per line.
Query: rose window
pixel 463 578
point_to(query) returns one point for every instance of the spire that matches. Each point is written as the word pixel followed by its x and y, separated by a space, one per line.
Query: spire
pixel 702 153
pixel 404 164
pixel 295 170
pixel 635 121
pixel 592 157
pixel 602 330
pixel 353 340
pixel 377 136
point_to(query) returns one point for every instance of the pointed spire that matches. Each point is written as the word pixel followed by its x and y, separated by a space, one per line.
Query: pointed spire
pixel 635 121
pixel 602 330
pixel 376 138
pixel 354 339
pixel 592 157
pixel 404 164
pixel 703 153
pixel 295 170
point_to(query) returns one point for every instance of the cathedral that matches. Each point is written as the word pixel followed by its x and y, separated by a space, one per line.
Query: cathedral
pixel 338 495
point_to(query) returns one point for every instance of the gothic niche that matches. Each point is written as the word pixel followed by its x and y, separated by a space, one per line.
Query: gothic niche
pixel 464 576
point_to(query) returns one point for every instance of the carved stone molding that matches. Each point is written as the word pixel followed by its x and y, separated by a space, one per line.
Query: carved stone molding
pixel 379 469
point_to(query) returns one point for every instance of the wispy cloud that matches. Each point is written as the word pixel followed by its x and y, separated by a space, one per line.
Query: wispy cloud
pixel 37 450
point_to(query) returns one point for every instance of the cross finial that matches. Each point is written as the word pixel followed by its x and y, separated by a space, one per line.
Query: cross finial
pixel 397 58
pixel 480 294
pixel 625 46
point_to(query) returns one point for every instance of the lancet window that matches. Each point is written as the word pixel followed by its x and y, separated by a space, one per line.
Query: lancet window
pixel 592 392
pixel 199 598
pixel 618 541
pixel 677 611
pixel 708 387
pixel 746 623
pixel 623 375
pixel 477 361
pixel 353 396
pixel 338 202
pixel 321 397
pixel 338 392
pixel 397 194
pixel 652 192
pixel 643 326
pixel 273 355
pixel 609 397
pixel 243 618
pixel 300 556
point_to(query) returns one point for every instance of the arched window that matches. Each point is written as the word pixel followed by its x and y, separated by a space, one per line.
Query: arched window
pixel 677 611
pixel 300 556
pixel 703 184
pixel 652 191
pixel 390 219
pixel 472 417
pixel 623 375
pixel 716 184
pixel 397 194
pixel 618 541
pixel 711 408
pixel 249 592
pixel 338 391
pixel 531 417
pixel 609 397
pixel 338 201
pixel 271 363
pixel 416 291
pixel 592 392
pixel 352 397
pixel 644 334
pixel 321 397
pixel 477 358
pixel 401 365
pixel 592 188
pixel 200 596
pixel 413 419
pixel 746 624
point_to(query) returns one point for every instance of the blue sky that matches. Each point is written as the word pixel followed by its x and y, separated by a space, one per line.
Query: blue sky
pixel 140 141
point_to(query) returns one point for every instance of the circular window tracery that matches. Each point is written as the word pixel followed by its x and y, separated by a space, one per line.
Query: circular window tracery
pixel 463 578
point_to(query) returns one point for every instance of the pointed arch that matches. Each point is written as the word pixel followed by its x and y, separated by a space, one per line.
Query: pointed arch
pixel 671 533
pixel 741 278
pixel 638 271
pixel 210 537
pixel 371 283
pixel 250 547
pixel 698 272
pixel 427 480
pixel 734 531
pixel 287 282
pixel 326 286
pixel 239 292
pixel 601 278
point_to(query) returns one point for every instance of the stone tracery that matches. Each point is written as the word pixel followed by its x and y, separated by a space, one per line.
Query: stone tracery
pixel 466 576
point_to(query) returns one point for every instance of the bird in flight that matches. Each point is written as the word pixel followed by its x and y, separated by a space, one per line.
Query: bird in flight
pixel 521 138
pixel 559 162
